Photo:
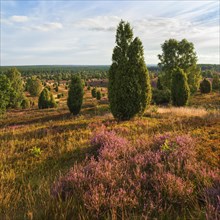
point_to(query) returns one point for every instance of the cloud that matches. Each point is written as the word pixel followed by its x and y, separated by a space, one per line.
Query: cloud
pixel 99 23
pixel 45 27
pixel 17 18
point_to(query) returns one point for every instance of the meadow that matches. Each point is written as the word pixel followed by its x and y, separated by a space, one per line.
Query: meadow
pixel 38 147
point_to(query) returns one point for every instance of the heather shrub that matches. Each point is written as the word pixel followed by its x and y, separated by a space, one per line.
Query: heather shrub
pixel 160 177
pixel 205 86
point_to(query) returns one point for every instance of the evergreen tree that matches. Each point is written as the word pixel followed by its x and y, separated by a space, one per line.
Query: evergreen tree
pixel 5 91
pixel 98 95
pixel 17 88
pixel 34 86
pixel 93 92
pixel 46 100
pixel 75 95
pixel 180 91
pixel 129 83
pixel 216 82
pixel 159 84
pixel 205 86
pixel 52 102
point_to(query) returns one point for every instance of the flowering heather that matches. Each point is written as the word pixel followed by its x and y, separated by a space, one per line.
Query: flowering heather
pixel 162 177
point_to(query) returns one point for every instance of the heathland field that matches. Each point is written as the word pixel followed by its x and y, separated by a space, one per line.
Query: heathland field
pixel 119 171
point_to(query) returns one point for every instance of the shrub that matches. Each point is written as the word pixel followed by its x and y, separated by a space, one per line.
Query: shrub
pixel 16 88
pixel 161 96
pixel 93 92
pixel 5 91
pixel 46 100
pixel 56 89
pixel 36 151
pixel 59 95
pixel 88 88
pixel 75 95
pixel 25 103
pixel 179 90
pixel 205 86
pixel 159 83
pixel 52 103
pixel 98 95
pixel 216 82
pixel 129 89
pixel 34 86
pixel 123 179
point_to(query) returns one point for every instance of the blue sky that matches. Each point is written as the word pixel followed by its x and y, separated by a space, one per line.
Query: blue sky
pixel 83 32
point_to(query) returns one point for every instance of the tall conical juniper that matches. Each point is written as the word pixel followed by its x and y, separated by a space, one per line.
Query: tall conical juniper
pixel 129 83
pixel 75 95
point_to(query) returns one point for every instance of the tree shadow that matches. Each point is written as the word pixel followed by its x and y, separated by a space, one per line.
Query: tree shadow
pixel 41 119
pixel 43 132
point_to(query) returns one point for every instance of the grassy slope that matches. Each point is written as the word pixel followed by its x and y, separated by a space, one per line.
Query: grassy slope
pixel 26 177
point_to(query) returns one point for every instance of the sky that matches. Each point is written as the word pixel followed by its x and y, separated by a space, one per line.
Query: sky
pixel 83 32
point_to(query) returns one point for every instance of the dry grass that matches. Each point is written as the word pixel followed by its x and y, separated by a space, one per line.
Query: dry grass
pixel 26 178
pixel 184 111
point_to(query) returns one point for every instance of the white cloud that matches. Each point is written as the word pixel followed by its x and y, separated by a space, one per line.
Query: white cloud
pixel 17 18
pixel 47 26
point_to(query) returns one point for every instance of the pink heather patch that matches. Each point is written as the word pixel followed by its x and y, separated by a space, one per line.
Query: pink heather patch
pixel 144 179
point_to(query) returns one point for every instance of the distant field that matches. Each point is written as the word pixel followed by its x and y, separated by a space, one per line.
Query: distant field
pixel 37 145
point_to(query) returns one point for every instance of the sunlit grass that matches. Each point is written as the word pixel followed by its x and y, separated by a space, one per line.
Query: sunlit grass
pixel 26 176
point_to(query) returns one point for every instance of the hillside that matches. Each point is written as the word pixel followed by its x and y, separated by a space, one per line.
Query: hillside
pixel 38 145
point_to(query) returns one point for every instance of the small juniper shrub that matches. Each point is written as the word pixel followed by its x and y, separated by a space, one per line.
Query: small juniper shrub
pixel 94 92
pixel 122 179
pixel 216 82
pixel 205 86
pixel 25 103
pixel 98 95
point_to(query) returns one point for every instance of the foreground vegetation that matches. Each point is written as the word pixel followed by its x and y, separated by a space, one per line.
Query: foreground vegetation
pixel 39 146
pixel 146 162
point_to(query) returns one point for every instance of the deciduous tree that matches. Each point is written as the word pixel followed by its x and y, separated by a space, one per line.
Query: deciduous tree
pixel 179 54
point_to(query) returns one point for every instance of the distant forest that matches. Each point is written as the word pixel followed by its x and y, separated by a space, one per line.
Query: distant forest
pixel 64 72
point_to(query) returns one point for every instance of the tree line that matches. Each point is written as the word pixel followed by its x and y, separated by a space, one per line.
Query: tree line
pixel 129 88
